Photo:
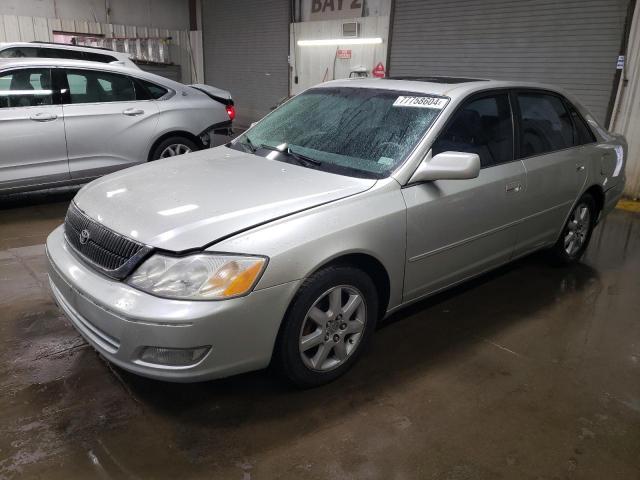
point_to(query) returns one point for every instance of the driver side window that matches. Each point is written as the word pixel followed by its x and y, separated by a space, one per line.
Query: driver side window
pixel 28 87
pixel 483 126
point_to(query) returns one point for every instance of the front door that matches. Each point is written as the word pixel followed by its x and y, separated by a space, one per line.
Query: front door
pixel 107 127
pixel 459 228
pixel 33 150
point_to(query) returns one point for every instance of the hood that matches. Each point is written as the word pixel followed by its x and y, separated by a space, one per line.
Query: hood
pixel 190 201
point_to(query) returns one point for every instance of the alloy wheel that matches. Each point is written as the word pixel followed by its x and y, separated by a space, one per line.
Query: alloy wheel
pixel 333 328
pixel 175 150
pixel 577 229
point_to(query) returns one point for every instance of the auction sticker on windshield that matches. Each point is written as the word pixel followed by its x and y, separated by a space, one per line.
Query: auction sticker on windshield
pixel 421 102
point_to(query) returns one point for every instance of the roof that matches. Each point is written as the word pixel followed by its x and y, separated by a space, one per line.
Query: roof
pixel 64 46
pixel 62 62
pixel 38 42
pixel 448 80
pixel 453 87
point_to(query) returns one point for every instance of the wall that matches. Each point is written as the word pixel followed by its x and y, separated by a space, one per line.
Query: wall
pixel 15 28
pixel 166 14
pixel 373 8
pixel 626 116
pixel 316 64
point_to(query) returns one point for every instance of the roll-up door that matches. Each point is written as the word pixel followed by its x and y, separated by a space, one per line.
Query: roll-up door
pixel 172 72
pixel 570 44
pixel 245 47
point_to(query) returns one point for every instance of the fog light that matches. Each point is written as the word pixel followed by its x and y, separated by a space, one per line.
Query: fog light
pixel 175 357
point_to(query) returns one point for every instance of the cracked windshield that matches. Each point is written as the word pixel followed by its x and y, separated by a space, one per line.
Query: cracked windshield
pixel 350 131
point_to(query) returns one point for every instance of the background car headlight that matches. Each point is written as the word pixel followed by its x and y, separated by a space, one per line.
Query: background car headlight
pixel 198 277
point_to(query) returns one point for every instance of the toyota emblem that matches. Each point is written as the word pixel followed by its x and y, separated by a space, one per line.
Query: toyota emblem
pixel 84 236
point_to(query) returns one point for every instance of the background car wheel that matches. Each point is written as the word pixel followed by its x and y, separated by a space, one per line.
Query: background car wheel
pixel 576 234
pixel 173 146
pixel 327 326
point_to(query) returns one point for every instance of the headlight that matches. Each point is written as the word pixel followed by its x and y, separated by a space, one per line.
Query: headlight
pixel 198 277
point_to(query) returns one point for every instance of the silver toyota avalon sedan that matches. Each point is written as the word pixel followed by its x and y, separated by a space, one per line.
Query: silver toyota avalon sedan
pixel 67 121
pixel 348 202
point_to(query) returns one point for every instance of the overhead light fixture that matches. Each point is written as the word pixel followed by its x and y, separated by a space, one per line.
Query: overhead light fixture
pixel 340 41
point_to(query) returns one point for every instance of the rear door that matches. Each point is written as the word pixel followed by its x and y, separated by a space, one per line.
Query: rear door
pixel 32 142
pixel 459 228
pixel 555 155
pixel 109 121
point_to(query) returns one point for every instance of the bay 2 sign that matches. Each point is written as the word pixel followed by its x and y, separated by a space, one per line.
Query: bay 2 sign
pixel 331 9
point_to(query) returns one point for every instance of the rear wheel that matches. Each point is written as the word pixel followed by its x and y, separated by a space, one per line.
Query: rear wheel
pixel 576 234
pixel 328 324
pixel 173 146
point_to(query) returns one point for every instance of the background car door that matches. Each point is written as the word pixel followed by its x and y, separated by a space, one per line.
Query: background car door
pixel 108 126
pixel 459 228
pixel 32 143
pixel 556 170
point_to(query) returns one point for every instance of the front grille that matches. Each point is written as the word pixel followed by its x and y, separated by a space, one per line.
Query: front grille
pixel 106 250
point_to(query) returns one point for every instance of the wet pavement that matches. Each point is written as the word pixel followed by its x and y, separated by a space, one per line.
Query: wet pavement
pixel 530 372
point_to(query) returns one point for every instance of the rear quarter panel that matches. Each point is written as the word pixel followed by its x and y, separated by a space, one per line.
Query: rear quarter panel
pixel 607 159
pixel 193 112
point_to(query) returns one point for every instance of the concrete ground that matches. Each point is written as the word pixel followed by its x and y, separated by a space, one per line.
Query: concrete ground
pixel 531 372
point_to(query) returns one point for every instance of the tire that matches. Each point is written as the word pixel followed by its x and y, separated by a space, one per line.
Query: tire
pixel 341 338
pixel 179 143
pixel 576 233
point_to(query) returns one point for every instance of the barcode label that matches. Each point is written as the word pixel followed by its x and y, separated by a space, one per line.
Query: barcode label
pixel 421 102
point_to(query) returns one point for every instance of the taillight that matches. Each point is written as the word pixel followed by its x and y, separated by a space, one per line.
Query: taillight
pixel 231 111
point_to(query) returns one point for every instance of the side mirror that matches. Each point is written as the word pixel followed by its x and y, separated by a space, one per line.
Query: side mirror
pixel 448 166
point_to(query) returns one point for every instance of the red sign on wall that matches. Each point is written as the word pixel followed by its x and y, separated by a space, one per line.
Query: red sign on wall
pixel 344 53
pixel 378 70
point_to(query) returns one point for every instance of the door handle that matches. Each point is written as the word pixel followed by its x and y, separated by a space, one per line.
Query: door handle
pixel 132 112
pixel 43 117
pixel 514 187
pixel 580 168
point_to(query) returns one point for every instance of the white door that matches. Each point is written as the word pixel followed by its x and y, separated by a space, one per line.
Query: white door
pixel 107 127
pixel 33 150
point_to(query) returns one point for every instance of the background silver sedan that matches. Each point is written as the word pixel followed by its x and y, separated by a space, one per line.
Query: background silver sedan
pixel 66 121
pixel 350 201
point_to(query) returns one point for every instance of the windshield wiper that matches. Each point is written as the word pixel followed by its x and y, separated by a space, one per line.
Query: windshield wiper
pixel 248 145
pixel 302 159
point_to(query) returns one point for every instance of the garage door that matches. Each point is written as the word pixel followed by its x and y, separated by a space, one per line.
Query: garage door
pixel 572 44
pixel 245 45
pixel 172 72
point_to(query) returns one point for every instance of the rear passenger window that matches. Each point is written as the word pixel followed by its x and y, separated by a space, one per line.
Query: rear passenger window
pixel 46 52
pixel 19 52
pixel 155 91
pixel 98 57
pixel 545 125
pixel 582 134
pixel 481 126
pixel 88 86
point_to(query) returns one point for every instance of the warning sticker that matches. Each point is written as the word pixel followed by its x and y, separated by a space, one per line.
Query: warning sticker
pixel 421 102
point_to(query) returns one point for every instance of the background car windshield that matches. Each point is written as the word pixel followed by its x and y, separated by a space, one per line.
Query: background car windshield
pixel 350 130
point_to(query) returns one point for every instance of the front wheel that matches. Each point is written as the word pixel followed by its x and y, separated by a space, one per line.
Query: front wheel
pixel 576 234
pixel 328 324
pixel 172 147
